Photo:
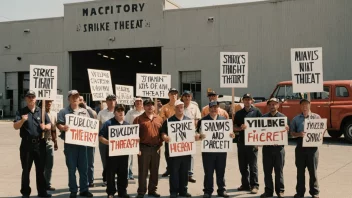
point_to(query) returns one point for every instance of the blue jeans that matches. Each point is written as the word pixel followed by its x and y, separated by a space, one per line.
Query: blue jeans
pixel 49 163
pixel 76 158
pixel 130 165
pixel 90 156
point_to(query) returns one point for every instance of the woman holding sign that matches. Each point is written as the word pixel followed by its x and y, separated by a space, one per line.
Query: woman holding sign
pixel 305 156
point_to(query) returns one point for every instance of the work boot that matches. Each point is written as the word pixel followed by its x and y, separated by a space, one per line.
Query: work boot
pixel 224 194
pixel 265 195
pixel 190 179
pixel 281 195
pixel 73 195
pixel 185 195
pixel 166 174
pixel 86 194
pixel 206 196
pixel 154 194
pixel 242 188
pixel 254 190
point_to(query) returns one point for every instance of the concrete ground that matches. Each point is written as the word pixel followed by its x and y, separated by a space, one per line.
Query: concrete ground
pixel 335 171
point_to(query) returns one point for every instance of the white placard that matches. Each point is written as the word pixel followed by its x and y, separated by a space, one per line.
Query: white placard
pixel 307 70
pixel 43 81
pixel 315 129
pixel 124 94
pixel 234 69
pixel 153 85
pixel 182 138
pixel 57 104
pixel 82 130
pixel 123 140
pixel 100 84
pixel 217 135
pixel 266 131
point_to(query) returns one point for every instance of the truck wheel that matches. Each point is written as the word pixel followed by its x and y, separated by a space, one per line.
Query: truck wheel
pixel 335 134
pixel 348 131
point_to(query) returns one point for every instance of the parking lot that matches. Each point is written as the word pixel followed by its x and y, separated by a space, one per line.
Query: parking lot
pixel 334 170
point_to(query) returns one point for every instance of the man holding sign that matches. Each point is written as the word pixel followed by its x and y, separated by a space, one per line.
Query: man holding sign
pixel 76 155
pixel 115 164
pixel 214 161
pixel 305 156
pixel 213 96
pixel 181 146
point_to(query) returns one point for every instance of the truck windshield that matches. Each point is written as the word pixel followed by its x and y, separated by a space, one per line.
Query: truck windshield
pixel 285 92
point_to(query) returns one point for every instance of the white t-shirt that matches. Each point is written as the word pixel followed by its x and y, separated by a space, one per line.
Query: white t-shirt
pixel 105 115
pixel 132 114
pixel 193 112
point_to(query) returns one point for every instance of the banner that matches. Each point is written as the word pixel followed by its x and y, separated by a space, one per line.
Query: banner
pixel 217 135
pixel 234 69
pixel 43 81
pixel 153 85
pixel 307 70
pixel 124 94
pixel 100 84
pixel 123 140
pixel 315 129
pixel 182 138
pixel 57 104
pixel 82 130
pixel 266 131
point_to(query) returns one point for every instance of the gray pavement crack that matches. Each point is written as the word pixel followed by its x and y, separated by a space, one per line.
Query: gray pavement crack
pixel 336 171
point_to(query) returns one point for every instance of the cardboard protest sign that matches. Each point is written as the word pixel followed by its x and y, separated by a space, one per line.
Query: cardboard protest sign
pixel 123 140
pixel 217 135
pixel 57 104
pixel 266 131
pixel 43 81
pixel 100 84
pixel 234 69
pixel 82 130
pixel 182 138
pixel 315 129
pixel 153 85
pixel 124 94
pixel 307 69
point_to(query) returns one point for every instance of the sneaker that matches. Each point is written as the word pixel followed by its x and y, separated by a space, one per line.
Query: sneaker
pixel 50 188
pixel 224 194
pixel 242 188
pixel 140 196
pixel 86 194
pixel 191 179
pixel 154 194
pixel 185 195
pixel 297 196
pixel 166 174
pixel 104 184
pixel 206 196
pixel 265 195
pixel 44 195
pixel 254 190
pixel 73 195
pixel 281 195
pixel 91 185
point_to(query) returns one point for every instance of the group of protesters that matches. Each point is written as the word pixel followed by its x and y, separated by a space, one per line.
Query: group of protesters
pixel 39 139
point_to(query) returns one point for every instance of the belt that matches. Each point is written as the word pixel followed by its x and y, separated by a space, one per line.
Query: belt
pixel 33 139
pixel 148 145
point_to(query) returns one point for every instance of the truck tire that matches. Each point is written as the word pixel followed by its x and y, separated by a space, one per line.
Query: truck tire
pixel 335 134
pixel 348 131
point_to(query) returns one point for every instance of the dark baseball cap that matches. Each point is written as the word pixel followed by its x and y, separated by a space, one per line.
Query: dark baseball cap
pixel 72 92
pixel 119 107
pixel 148 101
pixel 30 93
pixel 304 100
pixel 186 92
pixel 247 95
pixel 173 90
pixel 272 100
pixel 211 93
pixel 213 103
pixel 111 97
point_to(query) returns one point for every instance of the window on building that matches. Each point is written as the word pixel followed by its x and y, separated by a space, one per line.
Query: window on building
pixel 341 91
pixel 191 81
pixel 321 95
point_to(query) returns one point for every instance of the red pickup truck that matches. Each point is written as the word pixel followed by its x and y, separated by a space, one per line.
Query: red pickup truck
pixel 334 103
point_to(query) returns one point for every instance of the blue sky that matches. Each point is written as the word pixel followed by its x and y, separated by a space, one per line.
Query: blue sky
pixel 31 9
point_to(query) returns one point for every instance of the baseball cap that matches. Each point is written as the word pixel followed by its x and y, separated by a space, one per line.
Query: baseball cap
pixel 213 103
pixel 173 90
pixel 111 97
pixel 30 93
pixel 119 107
pixel 186 92
pixel 304 100
pixel 72 92
pixel 272 100
pixel 247 95
pixel 178 102
pixel 148 101
pixel 211 93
